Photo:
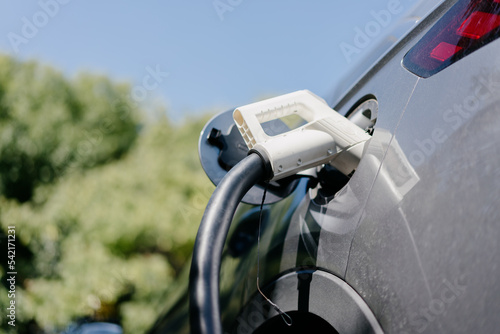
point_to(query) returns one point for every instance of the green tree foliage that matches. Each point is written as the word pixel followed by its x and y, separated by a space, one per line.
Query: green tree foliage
pixel 49 124
pixel 108 235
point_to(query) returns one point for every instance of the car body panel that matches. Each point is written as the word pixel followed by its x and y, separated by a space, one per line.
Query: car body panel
pixel 441 237
pixel 414 233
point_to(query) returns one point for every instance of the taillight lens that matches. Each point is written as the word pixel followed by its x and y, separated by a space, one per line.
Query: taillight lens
pixel 466 27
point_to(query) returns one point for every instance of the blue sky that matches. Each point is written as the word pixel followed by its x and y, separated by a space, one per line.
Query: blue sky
pixel 218 54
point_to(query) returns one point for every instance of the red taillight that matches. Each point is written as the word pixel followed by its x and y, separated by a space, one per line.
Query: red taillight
pixel 444 50
pixel 467 26
pixel 478 24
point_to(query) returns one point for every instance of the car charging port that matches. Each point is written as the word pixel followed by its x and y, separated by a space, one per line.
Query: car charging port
pixel 330 181
pixel 364 113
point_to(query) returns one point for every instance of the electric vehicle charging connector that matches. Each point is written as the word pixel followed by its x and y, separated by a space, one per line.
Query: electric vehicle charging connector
pixel 327 137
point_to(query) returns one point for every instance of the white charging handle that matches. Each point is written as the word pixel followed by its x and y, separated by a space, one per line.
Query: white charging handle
pixel 328 137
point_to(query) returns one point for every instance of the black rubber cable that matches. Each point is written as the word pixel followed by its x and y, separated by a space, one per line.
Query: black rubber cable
pixel 204 308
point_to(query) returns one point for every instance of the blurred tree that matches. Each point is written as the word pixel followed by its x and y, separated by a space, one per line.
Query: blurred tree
pixel 49 124
pixel 102 242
